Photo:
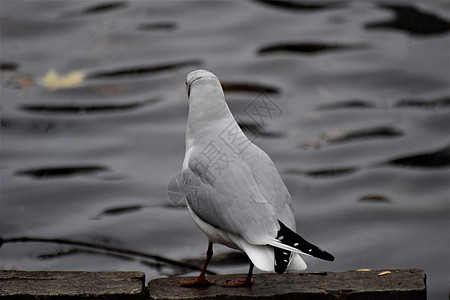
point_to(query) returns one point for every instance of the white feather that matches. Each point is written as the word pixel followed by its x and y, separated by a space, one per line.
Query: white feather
pixel 262 256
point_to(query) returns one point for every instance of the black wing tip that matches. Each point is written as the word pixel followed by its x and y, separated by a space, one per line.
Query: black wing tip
pixel 322 254
pixel 328 256
pixel 292 239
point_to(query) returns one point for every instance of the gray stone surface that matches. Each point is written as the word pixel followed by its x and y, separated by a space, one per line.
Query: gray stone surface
pixel 71 285
pixel 399 284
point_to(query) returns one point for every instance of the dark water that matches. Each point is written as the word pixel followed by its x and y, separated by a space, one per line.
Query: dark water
pixel 350 99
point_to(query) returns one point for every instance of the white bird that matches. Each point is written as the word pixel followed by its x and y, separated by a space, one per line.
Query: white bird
pixel 234 193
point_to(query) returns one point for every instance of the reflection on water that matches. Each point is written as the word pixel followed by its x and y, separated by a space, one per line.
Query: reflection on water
pixel 98 8
pixel 418 103
pixel 369 133
pixel 230 87
pixel 8 66
pixel 61 171
pixel 77 109
pixel 350 99
pixel 325 172
pixel 301 6
pixel 122 209
pixel 436 159
pixel 374 199
pixel 347 105
pixel 257 130
pixel 307 48
pixel 412 20
pixel 157 26
pixel 142 70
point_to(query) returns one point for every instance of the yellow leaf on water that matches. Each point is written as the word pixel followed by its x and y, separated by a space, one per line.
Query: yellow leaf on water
pixel 384 273
pixel 363 270
pixel 54 81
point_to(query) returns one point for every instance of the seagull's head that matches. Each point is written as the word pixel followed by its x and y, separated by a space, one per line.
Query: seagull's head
pixel 201 77
pixel 207 103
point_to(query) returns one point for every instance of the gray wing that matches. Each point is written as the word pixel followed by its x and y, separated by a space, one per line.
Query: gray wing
pixel 270 184
pixel 229 199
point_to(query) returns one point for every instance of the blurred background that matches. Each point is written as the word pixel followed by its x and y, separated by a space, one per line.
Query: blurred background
pixel 94 110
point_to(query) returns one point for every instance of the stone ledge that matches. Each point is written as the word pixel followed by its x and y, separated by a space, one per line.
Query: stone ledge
pixel 72 285
pixel 398 284
pixel 395 284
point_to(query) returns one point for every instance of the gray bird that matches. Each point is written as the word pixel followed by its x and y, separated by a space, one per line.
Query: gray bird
pixel 234 193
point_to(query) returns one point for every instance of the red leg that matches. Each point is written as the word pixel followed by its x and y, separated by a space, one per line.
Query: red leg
pixel 201 279
pixel 246 283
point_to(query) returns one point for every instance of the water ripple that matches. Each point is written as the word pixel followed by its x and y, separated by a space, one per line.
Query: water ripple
pixel 349 104
pixel 98 8
pixel 143 70
pixel 239 87
pixel 421 103
pixel 427 160
pixel 308 47
pixel 370 133
pixel 8 66
pixel 77 109
pixel 324 172
pixel 436 159
pixel 412 20
pixel 300 6
pixel 340 136
pixel 117 210
pixel 62 171
pixel 374 199
pixel 258 130
pixel 157 26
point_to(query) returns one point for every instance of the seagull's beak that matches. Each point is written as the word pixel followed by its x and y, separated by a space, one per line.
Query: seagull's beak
pixel 188 86
pixel 188 89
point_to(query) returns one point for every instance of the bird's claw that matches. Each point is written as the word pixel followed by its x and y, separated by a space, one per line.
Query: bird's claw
pixel 240 283
pixel 197 282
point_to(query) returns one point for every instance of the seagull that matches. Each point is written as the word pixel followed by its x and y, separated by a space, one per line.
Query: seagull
pixel 234 192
